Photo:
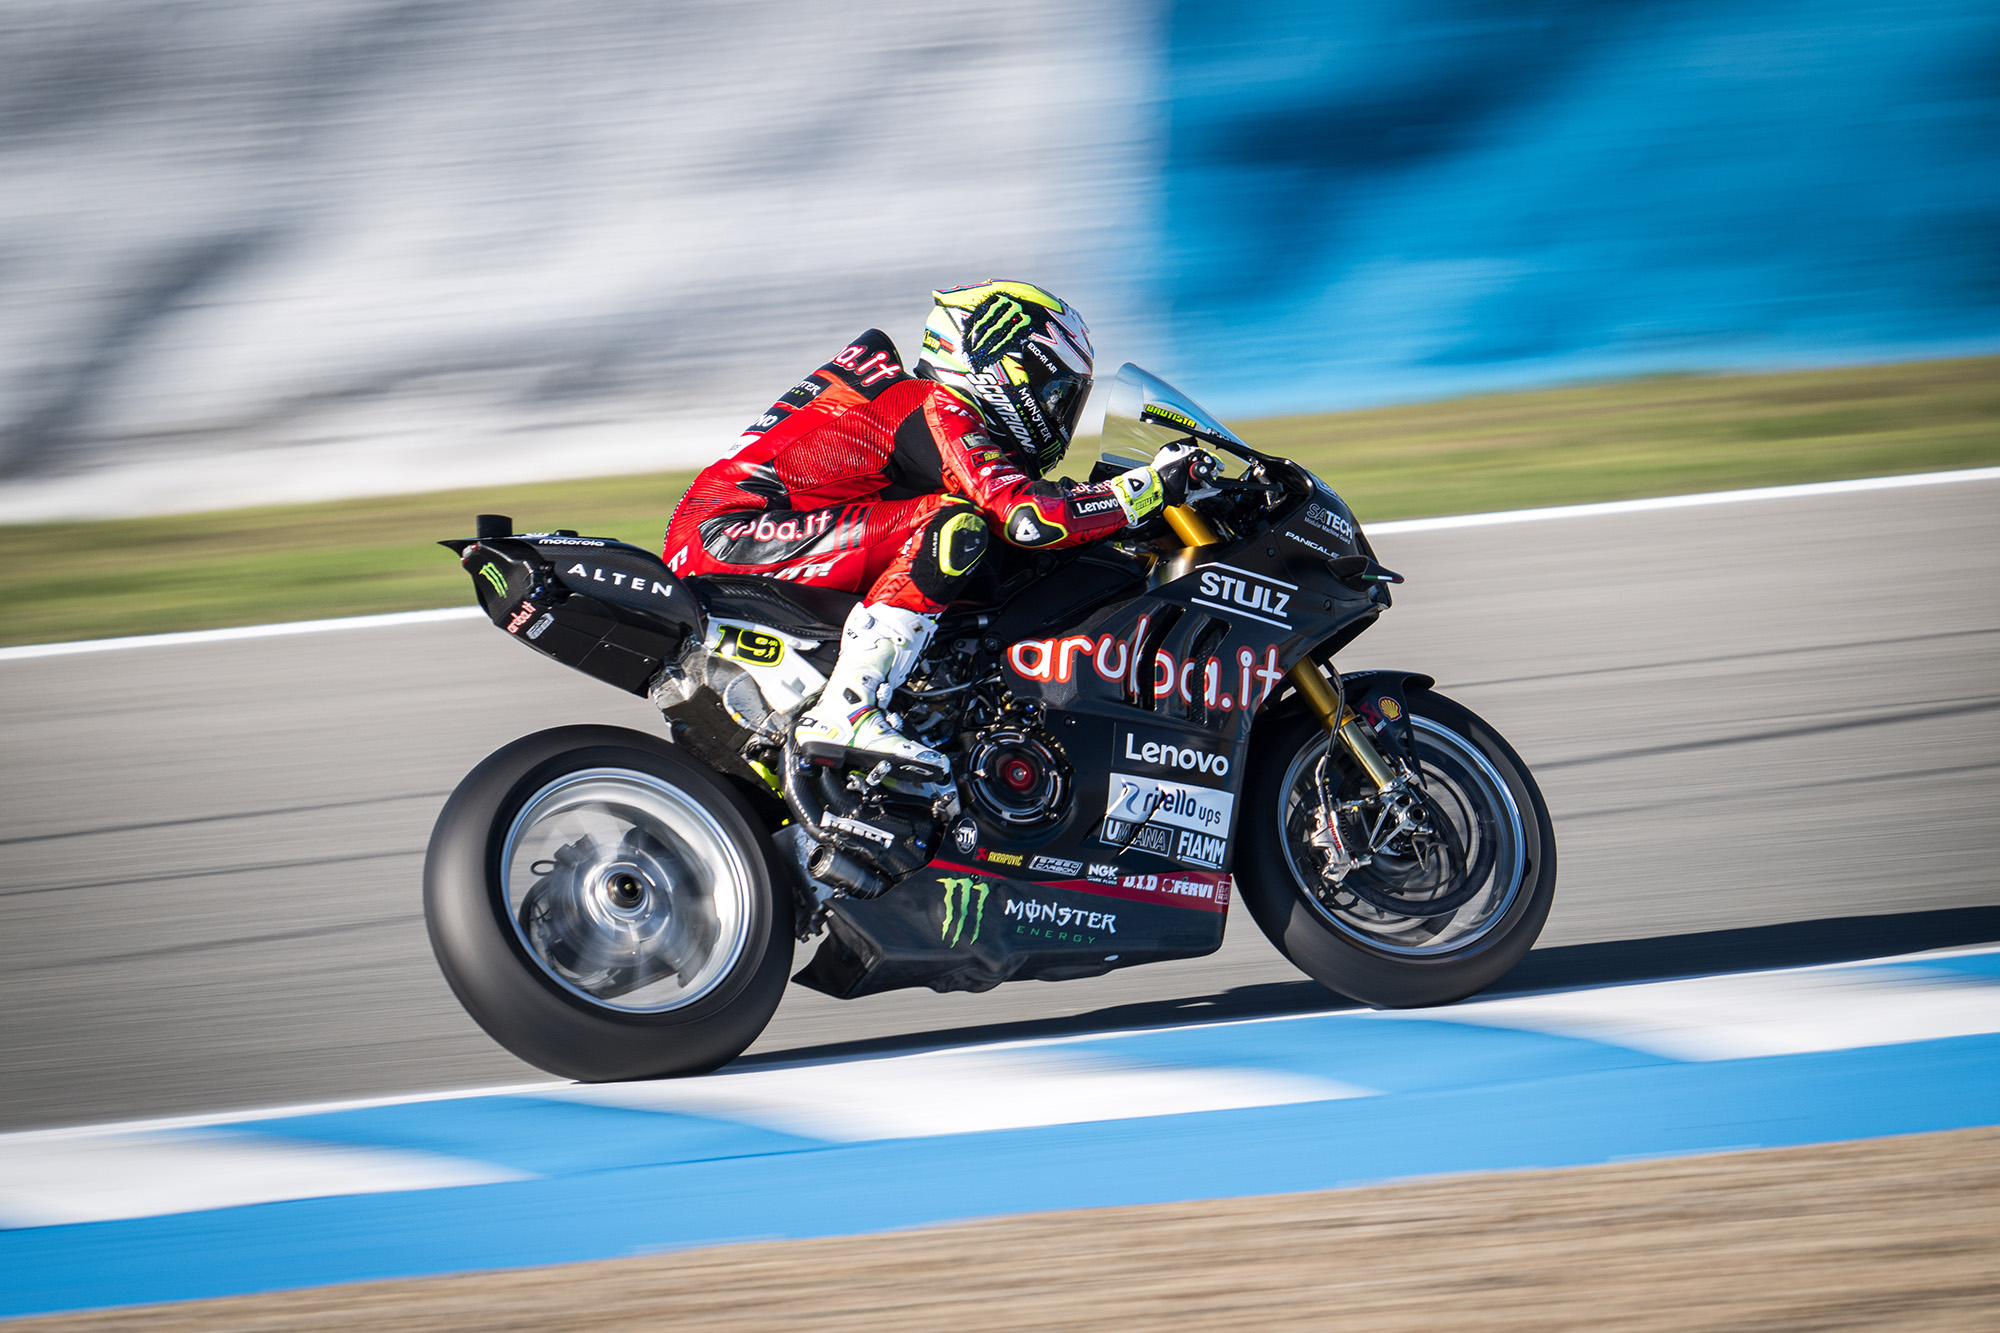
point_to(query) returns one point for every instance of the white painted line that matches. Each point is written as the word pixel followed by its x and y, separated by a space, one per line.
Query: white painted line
pixel 1750 1015
pixel 210 1120
pixel 959 1092
pixel 104 1179
pixel 29 650
pixel 1800 492
pixel 33 650
pixel 608 1093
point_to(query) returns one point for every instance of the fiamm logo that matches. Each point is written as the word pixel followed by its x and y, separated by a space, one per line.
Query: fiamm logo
pixel 964 902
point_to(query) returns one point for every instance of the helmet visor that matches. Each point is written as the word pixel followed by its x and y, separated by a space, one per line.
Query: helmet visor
pixel 1062 400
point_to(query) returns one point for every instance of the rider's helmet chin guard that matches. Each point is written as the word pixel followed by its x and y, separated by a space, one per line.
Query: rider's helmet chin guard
pixel 1019 356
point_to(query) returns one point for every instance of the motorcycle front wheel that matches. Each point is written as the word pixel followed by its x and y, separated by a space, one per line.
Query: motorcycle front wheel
pixel 602 907
pixel 1414 921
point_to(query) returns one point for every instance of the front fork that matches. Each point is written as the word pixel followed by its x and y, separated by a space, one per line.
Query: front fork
pixel 1324 699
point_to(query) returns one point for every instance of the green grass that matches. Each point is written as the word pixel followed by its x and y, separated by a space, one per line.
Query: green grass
pixel 1654 436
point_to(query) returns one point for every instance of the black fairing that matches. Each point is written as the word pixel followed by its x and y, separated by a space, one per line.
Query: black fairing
pixel 608 609
pixel 795 608
pixel 1090 891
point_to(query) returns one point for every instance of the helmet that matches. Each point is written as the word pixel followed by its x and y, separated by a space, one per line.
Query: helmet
pixel 1019 356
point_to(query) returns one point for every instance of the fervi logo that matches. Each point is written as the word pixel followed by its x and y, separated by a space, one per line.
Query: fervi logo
pixel 1176 756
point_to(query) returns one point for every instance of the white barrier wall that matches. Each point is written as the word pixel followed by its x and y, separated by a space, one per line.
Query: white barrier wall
pixel 254 252
pixel 257 251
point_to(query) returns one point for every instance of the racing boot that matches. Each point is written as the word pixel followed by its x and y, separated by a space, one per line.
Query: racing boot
pixel 878 646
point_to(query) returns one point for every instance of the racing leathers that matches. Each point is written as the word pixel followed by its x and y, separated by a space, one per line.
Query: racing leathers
pixel 868 479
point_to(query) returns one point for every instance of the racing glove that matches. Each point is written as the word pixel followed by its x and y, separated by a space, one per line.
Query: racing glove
pixel 1144 491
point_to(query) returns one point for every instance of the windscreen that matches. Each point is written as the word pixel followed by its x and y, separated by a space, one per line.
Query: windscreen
pixel 1143 414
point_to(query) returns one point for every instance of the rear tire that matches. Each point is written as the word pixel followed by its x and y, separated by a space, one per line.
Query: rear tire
pixel 603 907
pixel 1340 939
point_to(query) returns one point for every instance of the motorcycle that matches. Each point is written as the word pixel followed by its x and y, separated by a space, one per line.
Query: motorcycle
pixel 1137 730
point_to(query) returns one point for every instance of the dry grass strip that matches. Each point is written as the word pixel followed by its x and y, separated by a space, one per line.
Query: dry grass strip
pixel 1890 1233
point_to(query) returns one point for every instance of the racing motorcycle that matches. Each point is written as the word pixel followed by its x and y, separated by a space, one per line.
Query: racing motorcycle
pixel 1137 730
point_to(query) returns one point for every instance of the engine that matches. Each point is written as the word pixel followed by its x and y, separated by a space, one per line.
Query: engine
pixel 1015 773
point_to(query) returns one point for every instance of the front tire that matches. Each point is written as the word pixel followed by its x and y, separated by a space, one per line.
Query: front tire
pixel 1343 933
pixel 603 908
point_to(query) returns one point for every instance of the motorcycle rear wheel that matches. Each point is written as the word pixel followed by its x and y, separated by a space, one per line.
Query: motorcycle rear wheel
pixel 603 908
pixel 1348 942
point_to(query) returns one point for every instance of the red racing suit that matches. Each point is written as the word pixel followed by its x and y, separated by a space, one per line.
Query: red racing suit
pixel 867 479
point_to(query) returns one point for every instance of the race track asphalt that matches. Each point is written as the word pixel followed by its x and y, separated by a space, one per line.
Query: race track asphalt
pixel 1754 723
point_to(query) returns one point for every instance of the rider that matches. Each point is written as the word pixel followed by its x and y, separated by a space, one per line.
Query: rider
pixel 870 479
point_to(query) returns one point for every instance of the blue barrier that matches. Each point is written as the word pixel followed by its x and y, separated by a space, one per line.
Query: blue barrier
pixel 1400 198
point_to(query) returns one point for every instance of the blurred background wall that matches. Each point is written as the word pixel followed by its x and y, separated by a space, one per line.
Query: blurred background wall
pixel 1390 199
pixel 256 252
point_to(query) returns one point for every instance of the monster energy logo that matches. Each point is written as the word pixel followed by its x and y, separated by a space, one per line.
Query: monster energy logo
pixel 493 576
pixel 995 326
pixel 961 905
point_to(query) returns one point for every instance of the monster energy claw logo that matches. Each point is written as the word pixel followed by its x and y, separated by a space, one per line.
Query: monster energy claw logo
pixel 995 326
pixel 964 899
pixel 493 576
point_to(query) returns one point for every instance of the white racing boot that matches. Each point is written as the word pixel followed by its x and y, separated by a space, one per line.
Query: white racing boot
pixel 878 646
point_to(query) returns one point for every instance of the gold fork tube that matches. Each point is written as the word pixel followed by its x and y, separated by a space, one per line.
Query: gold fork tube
pixel 1325 702
pixel 1190 527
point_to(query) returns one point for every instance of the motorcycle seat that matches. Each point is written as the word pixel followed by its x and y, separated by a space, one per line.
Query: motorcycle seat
pixel 800 609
